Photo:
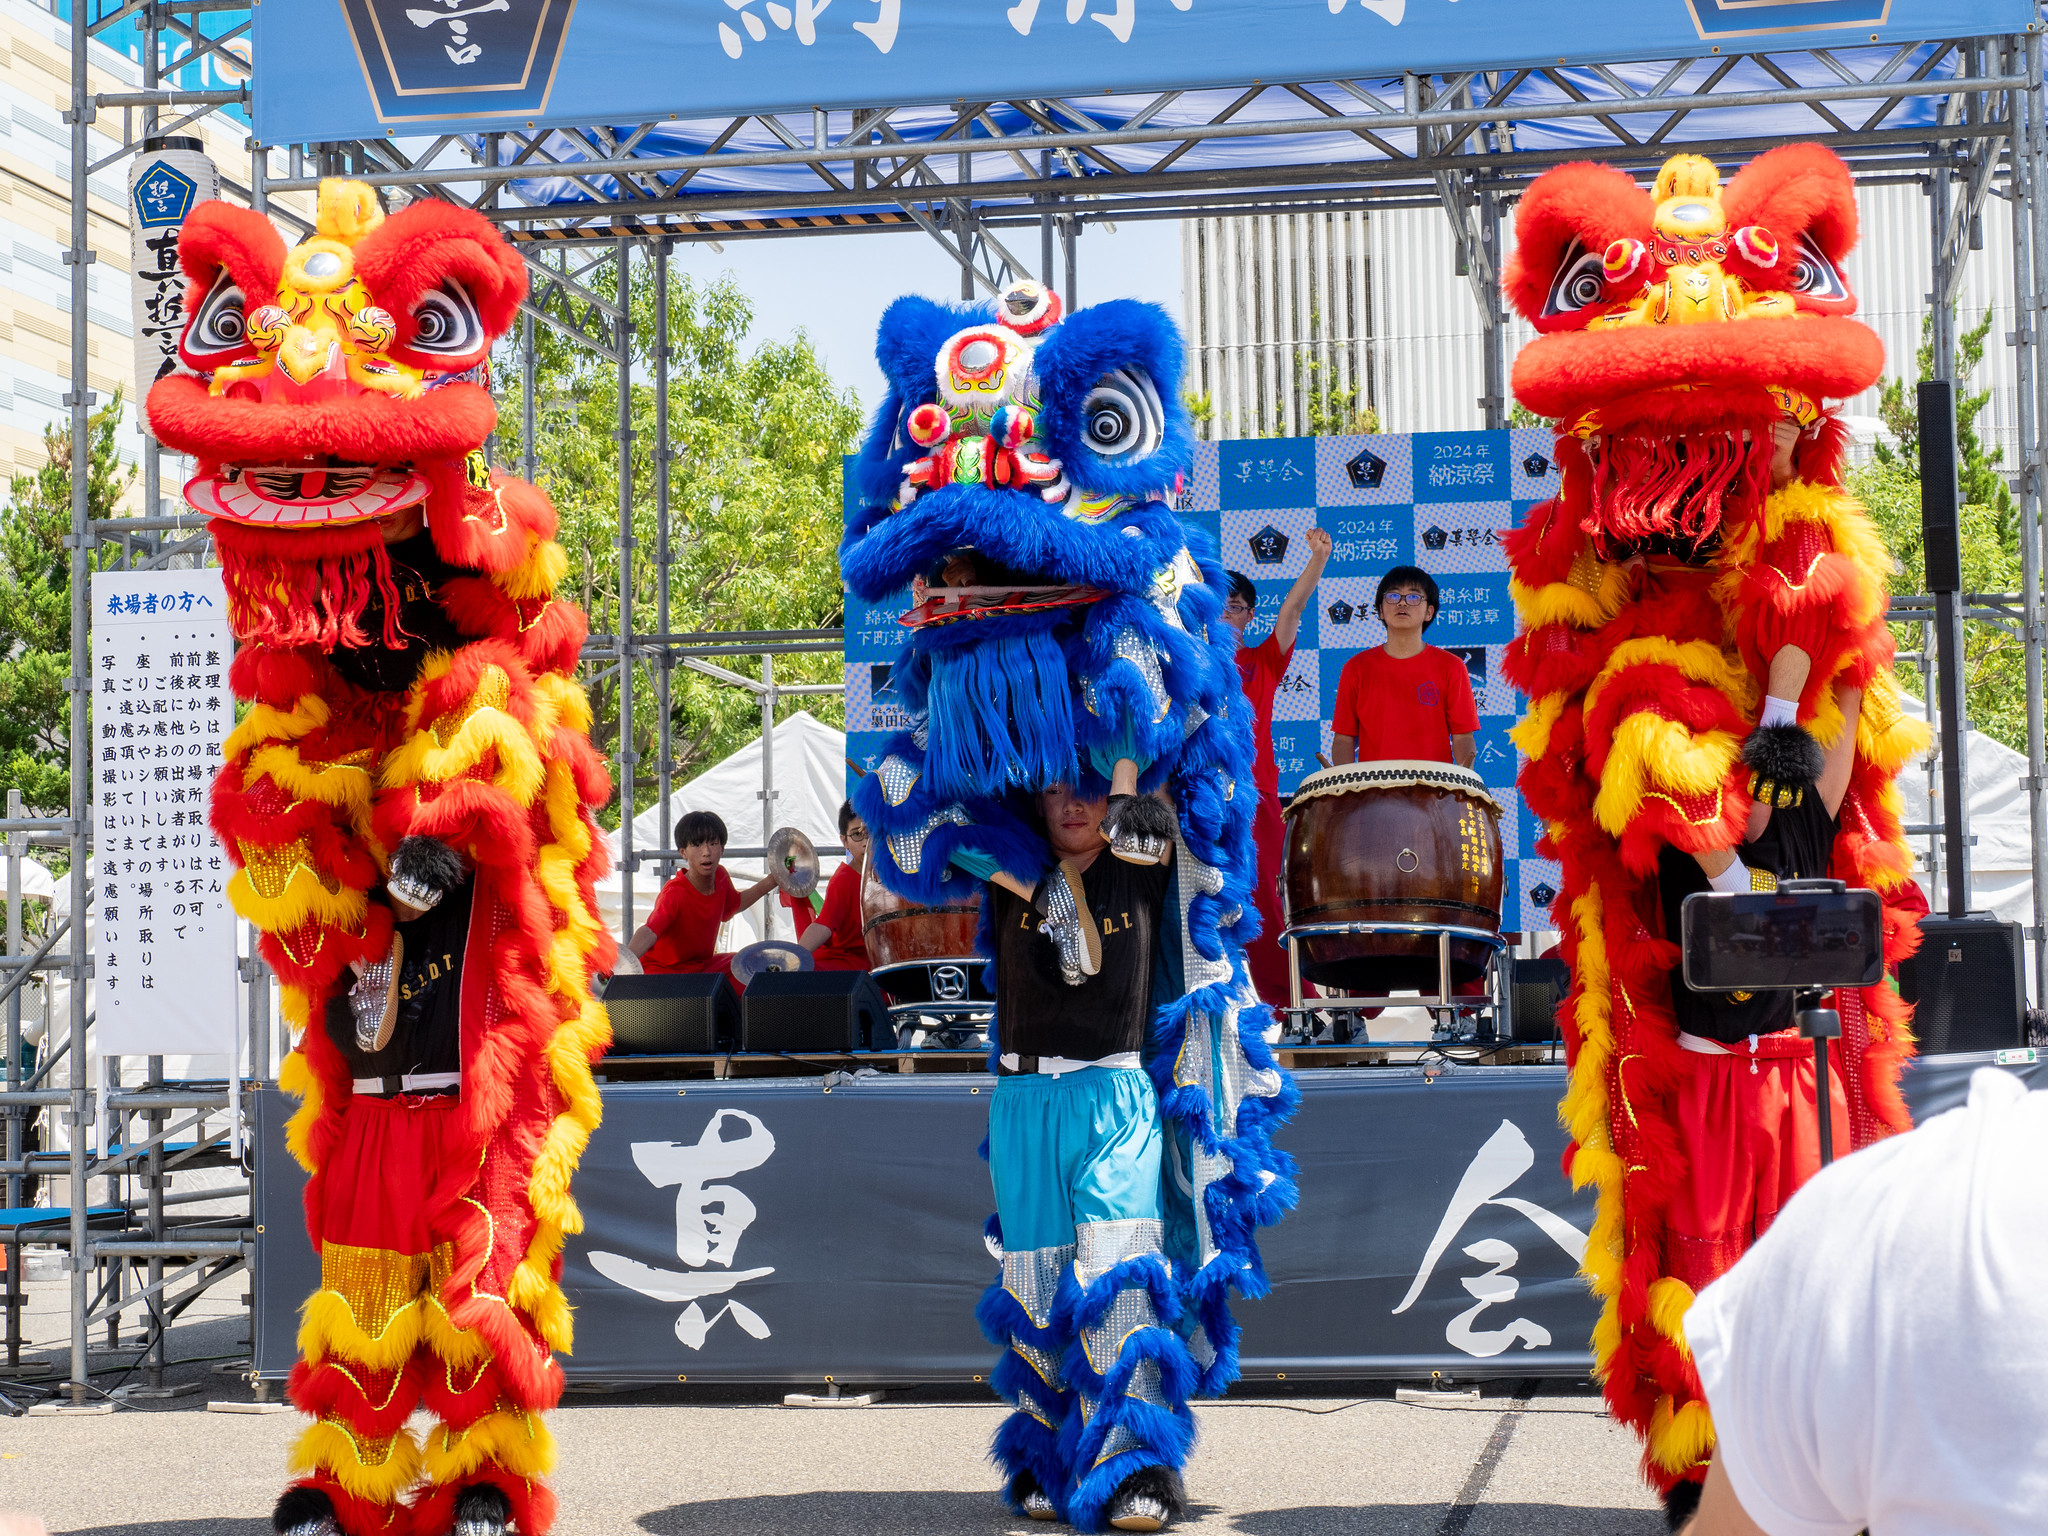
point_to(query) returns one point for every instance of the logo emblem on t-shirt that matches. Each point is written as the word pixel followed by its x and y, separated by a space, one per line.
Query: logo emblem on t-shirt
pixel 1426 695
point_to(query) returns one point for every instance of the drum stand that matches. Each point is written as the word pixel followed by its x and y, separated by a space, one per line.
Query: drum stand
pixel 1451 1009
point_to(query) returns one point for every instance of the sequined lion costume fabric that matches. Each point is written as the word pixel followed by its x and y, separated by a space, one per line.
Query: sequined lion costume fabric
pixel 409 802
pixel 1064 632
pixel 1691 336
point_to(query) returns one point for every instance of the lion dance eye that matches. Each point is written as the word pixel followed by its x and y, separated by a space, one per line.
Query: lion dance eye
pixel 1814 275
pixel 1580 283
pixel 446 321
pixel 1122 418
pixel 221 325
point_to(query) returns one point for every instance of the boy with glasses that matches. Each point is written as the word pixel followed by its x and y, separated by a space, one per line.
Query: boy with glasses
pixel 1405 699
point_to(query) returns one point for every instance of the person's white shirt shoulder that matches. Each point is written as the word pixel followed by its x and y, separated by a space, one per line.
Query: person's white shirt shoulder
pixel 1880 1358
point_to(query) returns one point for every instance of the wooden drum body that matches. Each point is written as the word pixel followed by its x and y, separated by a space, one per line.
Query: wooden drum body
pixel 1391 842
pixel 922 955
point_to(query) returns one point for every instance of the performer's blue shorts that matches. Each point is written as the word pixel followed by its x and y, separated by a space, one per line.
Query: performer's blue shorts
pixel 1070 1150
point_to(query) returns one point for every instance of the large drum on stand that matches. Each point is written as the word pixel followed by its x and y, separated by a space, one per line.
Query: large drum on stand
pixel 1382 860
pixel 923 957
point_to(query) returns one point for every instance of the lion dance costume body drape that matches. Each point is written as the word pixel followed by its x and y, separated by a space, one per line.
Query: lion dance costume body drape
pixel 1681 328
pixel 409 803
pixel 1043 453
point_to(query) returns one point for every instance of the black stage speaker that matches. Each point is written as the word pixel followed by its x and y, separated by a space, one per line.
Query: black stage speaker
pixel 815 1011
pixel 689 1015
pixel 1535 989
pixel 1968 985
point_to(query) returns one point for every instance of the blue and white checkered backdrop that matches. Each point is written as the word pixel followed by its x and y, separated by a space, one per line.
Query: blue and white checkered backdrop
pixel 1440 500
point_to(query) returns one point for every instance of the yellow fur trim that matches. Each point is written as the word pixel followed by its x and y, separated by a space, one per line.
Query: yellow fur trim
pixel 1680 1440
pixel 265 724
pixel 303 900
pixel 422 758
pixel 538 576
pixel 1699 661
pixel 375 1470
pixel 461 1348
pixel 1850 533
pixel 569 700
pixel 1583 1113
pixel 1651 750
pixel 1532 734
pixel 1670 1300
pixel 296 1078
pixel 329 1327
pixel 517 1442
pixel 1566 602
pixel 345 786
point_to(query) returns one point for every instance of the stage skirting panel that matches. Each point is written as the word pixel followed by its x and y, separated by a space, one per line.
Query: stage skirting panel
pixel 799 1230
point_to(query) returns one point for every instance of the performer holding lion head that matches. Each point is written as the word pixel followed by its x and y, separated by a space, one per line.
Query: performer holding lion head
pixel 1711 705
pixel 409 801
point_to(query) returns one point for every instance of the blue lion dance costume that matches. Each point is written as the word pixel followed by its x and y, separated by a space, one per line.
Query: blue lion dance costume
pixel 1026 464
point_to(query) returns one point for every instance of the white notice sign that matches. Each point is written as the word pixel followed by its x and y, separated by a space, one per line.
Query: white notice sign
pixel 161 712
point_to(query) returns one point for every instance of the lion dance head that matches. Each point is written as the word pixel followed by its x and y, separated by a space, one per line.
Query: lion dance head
pixel 1687 334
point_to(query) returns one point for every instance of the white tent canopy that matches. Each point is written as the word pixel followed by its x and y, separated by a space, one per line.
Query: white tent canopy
pixel 36 881
pixel 809 760
pixel 1995 814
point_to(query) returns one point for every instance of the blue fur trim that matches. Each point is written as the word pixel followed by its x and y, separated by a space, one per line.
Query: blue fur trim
pixel 1007 716
pixel 1075 1306
pixel 1022 1444
pixel 1165 1434
pixel 1003 1318
pixel 1121 333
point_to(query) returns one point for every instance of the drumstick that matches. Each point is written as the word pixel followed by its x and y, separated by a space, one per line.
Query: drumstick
pixel 1324 761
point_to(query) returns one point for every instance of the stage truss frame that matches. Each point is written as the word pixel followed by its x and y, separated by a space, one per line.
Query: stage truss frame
pixel 1055 165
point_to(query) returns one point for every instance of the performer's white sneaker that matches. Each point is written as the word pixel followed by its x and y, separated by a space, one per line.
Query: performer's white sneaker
pixel 1150 1499
pixel 1038 1505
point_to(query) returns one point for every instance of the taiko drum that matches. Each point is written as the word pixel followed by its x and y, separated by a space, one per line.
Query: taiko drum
pixel 905 940
pixel 1391 842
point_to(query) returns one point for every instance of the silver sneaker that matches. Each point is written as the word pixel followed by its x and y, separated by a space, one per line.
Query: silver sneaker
pixel 1069 924
pixel 1138 1512
pixel 373 1000
pixel 1038 1505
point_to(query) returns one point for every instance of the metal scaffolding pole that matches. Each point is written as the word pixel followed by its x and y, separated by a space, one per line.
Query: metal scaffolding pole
pixel 2030 295
pixel 628 758
pixel 529 470
pixel 664 457
pixel 80 400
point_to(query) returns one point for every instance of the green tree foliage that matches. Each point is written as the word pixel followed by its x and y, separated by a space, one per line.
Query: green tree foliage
pixel 1994 661
pixel 35 608
pixel 758 433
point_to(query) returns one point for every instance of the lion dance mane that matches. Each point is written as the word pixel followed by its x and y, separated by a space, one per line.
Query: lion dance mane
pixel 339 384
pixel 1678 327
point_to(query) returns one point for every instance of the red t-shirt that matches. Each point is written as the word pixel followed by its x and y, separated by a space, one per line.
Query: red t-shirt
pixel 1262 666
pixel 1405 707
pixel 847 949
pixel 686 921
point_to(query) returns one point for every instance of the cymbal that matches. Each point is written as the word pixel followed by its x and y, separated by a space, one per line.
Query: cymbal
pixel 768 955
pixel 793 861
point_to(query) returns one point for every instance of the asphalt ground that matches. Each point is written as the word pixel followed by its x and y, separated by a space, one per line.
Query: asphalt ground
pixel 1528 1458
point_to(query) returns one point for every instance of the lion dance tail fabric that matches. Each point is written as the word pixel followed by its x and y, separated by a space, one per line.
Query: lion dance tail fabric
pixel 1691 336
pixel 1020 473
pixel 410 681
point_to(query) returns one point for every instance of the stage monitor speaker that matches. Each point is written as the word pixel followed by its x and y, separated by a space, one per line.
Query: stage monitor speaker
pixel 1967 985
pixel 1535 989
pixel 801 1012
pixel 1940 495
pixel 690 1015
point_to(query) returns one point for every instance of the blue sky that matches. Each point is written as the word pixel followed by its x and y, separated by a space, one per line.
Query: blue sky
pixel 836 286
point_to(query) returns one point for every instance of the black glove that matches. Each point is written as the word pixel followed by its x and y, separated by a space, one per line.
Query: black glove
pixel 423 870
pixel 1139 829
pixel 1784 761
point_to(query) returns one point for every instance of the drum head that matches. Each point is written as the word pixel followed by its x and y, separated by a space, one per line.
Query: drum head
pixel 768 955
pixel 1394 773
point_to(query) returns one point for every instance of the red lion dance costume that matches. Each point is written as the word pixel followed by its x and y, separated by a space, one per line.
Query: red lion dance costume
pixel 409 801
pixel 1689 336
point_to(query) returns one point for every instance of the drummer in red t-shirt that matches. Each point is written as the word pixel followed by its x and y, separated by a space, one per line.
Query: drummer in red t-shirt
pixel 1404 699
pixel 681 933
pixel 1262 666
pixel 835 936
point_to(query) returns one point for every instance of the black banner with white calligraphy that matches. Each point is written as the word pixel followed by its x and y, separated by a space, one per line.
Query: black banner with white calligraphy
pixel 776 1230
